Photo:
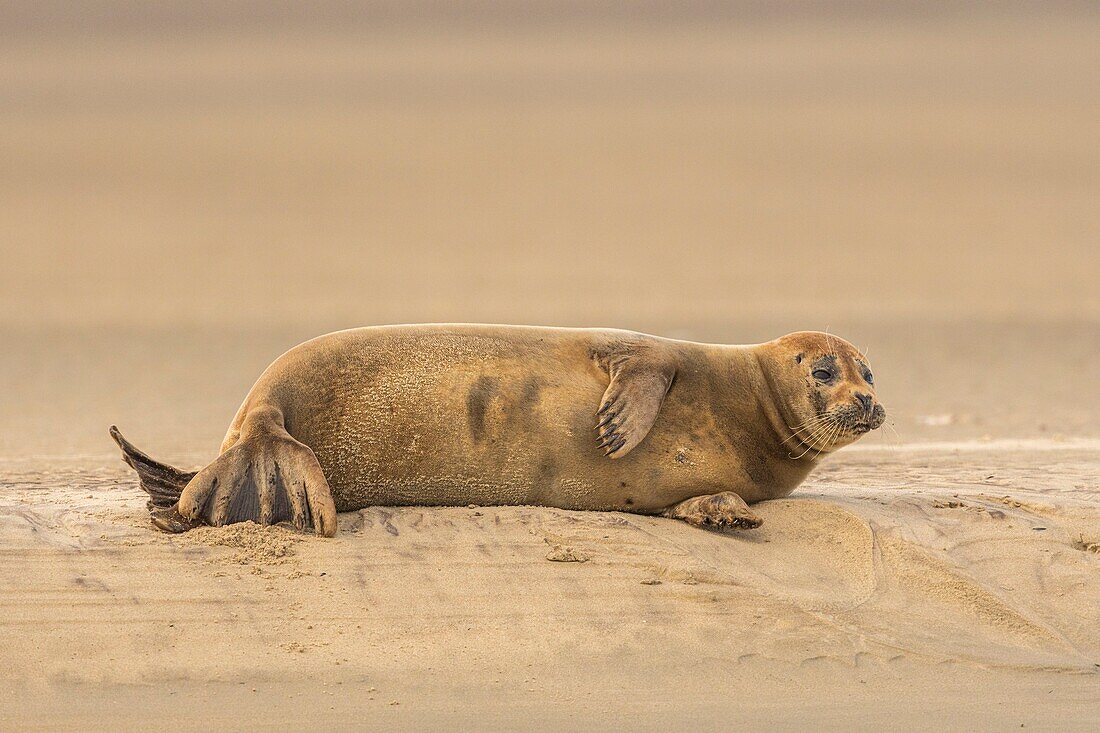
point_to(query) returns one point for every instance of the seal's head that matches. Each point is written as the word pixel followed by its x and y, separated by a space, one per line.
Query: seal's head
pixel 826 388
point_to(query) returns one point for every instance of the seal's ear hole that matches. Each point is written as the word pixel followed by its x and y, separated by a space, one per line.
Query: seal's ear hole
pixel 798 359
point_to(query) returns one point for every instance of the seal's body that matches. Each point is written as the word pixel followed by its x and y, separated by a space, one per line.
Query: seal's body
pixel 571 418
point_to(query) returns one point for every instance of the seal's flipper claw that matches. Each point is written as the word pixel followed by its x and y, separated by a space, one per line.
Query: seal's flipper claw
pixel 639 382
pixel 170 520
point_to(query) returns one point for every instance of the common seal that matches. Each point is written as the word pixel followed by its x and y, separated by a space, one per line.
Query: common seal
pixel 593 419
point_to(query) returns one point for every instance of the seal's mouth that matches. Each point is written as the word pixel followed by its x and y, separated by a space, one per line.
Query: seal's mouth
pixel 835 428
pixel 858 422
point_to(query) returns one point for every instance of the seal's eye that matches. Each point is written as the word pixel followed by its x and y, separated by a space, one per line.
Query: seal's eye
pixel 822 375
pixel 869 378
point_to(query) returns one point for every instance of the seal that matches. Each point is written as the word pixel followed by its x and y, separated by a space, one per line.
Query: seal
pixel 587 419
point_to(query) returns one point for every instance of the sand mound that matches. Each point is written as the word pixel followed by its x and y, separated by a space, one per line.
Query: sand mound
pixel 254 544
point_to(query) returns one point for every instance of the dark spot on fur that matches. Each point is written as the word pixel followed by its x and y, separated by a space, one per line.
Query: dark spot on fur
pixel 798 359
pixel 629 501
pixel 529 399
pixel 520 403
pixel 681 458
pixel 622 484
pixel 477 404
pixel 545 474
pixel 820 403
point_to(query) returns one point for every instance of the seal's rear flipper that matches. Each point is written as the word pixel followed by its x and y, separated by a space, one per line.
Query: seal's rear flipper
pixel 161 482
pixel 265 477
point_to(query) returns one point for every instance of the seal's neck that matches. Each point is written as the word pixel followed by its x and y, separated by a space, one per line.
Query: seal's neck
pixel 773 407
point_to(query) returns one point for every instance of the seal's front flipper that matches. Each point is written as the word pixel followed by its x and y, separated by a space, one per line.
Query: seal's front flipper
pixel 639 383
pixel 725 510
pixel 266 477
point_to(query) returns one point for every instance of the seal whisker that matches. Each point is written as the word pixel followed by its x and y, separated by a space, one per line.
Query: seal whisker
pixel 808 447
pixel 832 436
pixel 824 442
pixel 808 425
pixel 795 436
pixel 817 419
pixel 829 437
pixel 811 421
pixel 821 430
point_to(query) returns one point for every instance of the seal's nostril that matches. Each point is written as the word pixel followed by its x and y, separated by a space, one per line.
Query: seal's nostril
pixel 866 402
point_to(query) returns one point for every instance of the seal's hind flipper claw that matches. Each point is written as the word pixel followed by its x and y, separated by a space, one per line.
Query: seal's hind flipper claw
pixel 170 520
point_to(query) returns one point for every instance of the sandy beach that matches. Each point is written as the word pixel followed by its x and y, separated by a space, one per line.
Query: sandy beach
pixel 950 584
pixel 189 191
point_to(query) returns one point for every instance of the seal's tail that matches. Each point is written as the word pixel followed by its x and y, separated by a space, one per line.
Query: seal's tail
pixel 161 482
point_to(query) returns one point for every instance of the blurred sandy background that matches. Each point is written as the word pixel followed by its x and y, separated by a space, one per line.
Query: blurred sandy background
pixel 188 189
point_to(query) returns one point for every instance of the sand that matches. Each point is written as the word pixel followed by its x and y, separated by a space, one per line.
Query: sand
pixel 187 190
pixel 946 584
